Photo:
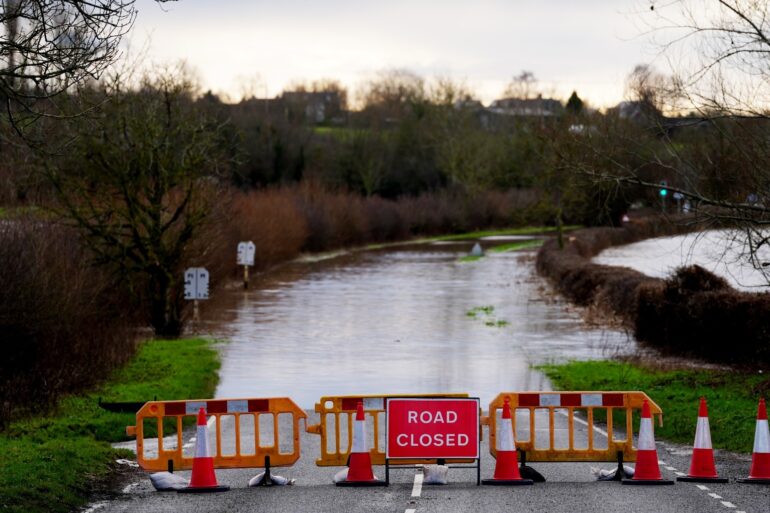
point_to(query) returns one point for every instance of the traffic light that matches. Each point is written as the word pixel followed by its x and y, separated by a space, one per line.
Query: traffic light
pixel 663 191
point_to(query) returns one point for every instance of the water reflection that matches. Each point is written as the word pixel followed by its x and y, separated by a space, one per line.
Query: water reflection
pixel 396 322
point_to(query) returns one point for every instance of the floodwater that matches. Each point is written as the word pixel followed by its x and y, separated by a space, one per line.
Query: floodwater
pixel 410 319
pixel 723 252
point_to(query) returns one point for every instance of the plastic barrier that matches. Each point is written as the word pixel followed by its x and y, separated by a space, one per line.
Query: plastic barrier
pixel 249 450
pixel 567 403
pixel 337 412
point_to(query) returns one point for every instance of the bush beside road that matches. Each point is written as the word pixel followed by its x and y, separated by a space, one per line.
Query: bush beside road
pixel 732 396
pixel 54 463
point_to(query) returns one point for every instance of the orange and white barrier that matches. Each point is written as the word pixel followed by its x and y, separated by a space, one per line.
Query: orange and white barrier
pixel 360 464
pixel 506 464
pixel 760 459
pixel 647 470
pixel 702 467
pixel 203 478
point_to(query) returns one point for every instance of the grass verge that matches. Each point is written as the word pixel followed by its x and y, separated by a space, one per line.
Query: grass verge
pixel 732 397
pixel 53 463
pixel 515 246
pixel 527 230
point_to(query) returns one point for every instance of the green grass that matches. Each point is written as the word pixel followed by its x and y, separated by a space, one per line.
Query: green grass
pixel 52 463
pixel 527 230
pixel 486 315
pixel 516 246
pixel 732 397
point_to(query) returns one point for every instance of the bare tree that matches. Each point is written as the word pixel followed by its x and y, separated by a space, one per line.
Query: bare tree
pixel 523 86
pixel 139 183
pixel 48 47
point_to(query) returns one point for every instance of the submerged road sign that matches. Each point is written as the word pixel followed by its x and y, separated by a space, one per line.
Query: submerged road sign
pixel 432 428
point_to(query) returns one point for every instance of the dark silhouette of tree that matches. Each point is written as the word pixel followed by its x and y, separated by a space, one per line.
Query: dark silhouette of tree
pixel 574 104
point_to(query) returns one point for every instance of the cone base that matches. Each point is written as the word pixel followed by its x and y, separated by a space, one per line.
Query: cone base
pixel 507 482
pixel 205 489
pixel 356 484
pixel 754 480
pixel 693 479
pixel 646 482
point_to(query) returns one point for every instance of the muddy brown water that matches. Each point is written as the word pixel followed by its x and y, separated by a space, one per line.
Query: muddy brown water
pixel 398 321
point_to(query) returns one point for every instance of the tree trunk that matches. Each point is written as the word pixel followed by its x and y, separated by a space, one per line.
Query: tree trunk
pixel 164 311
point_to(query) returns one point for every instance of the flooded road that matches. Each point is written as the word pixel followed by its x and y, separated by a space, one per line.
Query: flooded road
pixel 410 319
pixel 723 252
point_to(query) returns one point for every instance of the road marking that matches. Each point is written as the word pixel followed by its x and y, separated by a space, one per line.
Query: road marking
pixel 130 487
pixel 98 505
pixel 703 487
pixel 585 423
pixel 680 473
pixel 728 504
pixel 410 511
pixel 670 468
pixel 417 488
pixel 715 496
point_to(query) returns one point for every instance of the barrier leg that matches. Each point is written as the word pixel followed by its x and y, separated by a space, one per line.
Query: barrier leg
pixel 268 479
pixel 528 472
pixel 620 473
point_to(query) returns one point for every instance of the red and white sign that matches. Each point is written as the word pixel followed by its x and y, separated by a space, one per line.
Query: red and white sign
pixel 432 428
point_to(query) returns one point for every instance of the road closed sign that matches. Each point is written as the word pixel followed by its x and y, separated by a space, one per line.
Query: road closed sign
pixel 432 428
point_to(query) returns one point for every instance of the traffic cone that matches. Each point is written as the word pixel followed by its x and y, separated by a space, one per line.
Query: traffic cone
pixel 506 465
pixel 702 468
pixel 203 478
pixel 760 459
pixel 647 471
pixel 360 461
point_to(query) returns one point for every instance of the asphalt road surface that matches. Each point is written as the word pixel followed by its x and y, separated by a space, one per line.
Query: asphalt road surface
pixel 570 488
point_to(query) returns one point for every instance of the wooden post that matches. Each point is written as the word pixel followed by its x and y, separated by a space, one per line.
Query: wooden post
pixel 245 276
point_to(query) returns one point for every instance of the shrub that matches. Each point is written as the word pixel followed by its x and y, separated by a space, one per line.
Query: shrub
pixel 64 324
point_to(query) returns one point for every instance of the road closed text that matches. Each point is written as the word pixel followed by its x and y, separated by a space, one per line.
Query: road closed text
pixel 432 428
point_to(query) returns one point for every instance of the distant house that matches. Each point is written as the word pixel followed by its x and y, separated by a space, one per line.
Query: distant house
pixel 638 112
pixel 312 107
pixel 530 107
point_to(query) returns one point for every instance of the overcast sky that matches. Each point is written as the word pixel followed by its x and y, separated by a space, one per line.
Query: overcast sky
pixel 586 45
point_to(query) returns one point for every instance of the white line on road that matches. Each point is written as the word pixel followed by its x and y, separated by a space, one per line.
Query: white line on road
pixel 703 487
pixel 680 473
pixel 98 505
pixel 670 468
pixel 715 496
pixel 728 504
pixel 130 487
pixel 417 488
pixel 585 423
pixel 410 511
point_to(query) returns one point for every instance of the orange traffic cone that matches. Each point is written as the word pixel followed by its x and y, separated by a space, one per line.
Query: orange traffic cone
pixel 203 478
pixel 360 463
pixel 760 460
pixel 647 471
pixel 506 465
pixel 702 468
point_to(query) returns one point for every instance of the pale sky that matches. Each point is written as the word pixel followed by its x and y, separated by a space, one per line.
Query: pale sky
pixel 586 45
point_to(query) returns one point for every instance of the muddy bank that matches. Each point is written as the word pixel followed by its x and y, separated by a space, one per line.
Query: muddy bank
pixel 693 313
